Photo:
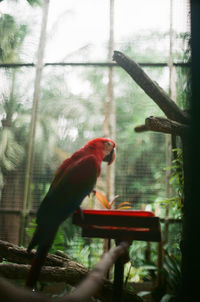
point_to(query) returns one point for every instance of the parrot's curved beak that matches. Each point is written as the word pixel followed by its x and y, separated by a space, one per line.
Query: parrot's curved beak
pixel 110 157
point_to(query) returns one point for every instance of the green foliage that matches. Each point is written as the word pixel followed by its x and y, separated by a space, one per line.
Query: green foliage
pixel 172 273
pixel 70 115
pixel 136 274
pixel 172 260
pixel 177 182
pixel 64 235
pixel 35 2
pixel 184 73
pixel 11 37
pixel 58 241
pixel 147 47
pixel 11 152
pixel 138 268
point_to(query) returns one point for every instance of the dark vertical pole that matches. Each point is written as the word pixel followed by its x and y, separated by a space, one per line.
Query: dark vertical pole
pixel 191 231
pixel 118 279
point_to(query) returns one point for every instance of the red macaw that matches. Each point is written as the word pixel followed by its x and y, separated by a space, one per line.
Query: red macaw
pixel 73 181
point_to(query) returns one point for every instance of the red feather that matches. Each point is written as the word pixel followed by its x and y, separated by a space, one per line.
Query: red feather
pixel 73 181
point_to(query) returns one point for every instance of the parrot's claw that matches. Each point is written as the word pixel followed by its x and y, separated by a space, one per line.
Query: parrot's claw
pixel 92 192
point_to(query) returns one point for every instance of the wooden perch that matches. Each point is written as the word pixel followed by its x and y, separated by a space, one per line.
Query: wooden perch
pixel 57 268
pixel 60 269
pixel 71 273
pixel 152 89
pixel 140 128
pixel 163 125
pixel 16 254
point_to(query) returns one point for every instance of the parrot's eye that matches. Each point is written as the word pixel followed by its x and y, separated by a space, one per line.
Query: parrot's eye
pixel 109 144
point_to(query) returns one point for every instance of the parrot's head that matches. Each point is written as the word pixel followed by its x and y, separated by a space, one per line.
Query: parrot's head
pixel 104 147
pixel 109 151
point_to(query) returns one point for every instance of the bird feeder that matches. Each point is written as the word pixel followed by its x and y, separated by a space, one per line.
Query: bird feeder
pixel 121 225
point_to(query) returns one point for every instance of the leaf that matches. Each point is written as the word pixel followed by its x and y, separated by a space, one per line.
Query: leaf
pixel 124 203
pixel 172 271
pixel 103 200
pixel 172 265
pixel 112 202
pixel 149 267
pixel 166 298
pixel 143 293
pixel 124 208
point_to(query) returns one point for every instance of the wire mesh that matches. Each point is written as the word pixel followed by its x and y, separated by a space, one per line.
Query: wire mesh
pixel 71 108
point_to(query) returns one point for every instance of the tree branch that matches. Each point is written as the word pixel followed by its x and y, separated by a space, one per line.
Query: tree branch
pixel 140 128
pixel 152 89
pixel 163 125
pixel 14 253
pixel 72 273
pixel 69 272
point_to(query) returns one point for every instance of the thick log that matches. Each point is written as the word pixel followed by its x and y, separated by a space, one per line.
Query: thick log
pixel 163 125
pixel 71 273
pixel 14 253
pixel 10 293
pixel 151 88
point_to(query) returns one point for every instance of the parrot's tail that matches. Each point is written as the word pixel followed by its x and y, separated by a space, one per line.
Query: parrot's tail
pixel 36 266
pixel 38 260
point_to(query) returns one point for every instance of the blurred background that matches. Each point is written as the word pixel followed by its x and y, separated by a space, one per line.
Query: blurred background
pixel 60 88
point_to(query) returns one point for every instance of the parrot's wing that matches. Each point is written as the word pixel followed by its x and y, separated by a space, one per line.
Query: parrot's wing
pixel 69 187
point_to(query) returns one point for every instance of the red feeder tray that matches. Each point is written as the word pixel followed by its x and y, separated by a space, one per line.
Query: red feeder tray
pixel 119 224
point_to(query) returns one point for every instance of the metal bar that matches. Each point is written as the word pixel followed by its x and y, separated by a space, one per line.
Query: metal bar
pixel 15 211
pixel 10 211
pixel 90 64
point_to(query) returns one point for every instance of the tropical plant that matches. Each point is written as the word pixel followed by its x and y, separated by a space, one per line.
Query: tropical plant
pixel 11 38
pixel 12 35
pixel 172 273
pixel 68 239
pixel 109 205
pixel 58 243
pixel 175 203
